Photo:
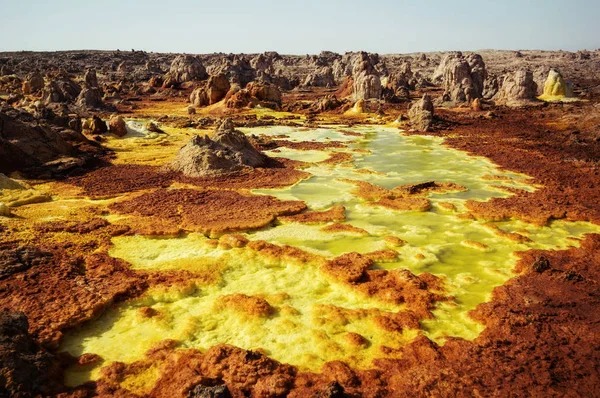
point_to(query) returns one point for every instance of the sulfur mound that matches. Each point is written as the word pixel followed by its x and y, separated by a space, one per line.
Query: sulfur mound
pixel 556 87
pixel 227 151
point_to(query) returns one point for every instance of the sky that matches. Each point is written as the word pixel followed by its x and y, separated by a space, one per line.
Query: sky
pixel 299 27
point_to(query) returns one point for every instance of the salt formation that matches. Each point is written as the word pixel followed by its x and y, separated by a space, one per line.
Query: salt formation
pixel 228 150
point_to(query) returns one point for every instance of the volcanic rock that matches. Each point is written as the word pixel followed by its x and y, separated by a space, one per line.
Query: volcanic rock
pixel 4 210
pixel 117 126
pixel 518 88
pixel 227 151
pixel 420 114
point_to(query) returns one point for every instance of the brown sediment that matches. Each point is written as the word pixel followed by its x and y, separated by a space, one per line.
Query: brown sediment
pixel 397 286
pixel 447 206
pixel 120 179
pixel 515 237
pixel 309 145
pixel 491 177
pixel 243 372
pixel 404 197
pixel 383 255
pixel 415 204
pixel 526 141
pixel 338 158
pixel 249 305
pixel 283 253
pixel 394 241
pixel 57 291
pixel 349 228
pixel 335 213
pixel 208 211
pixel 512 190
pixel 474 244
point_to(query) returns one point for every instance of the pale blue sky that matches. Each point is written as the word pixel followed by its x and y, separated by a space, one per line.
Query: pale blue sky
pixel 299 27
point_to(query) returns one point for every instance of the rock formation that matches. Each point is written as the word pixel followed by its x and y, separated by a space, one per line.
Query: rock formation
pixel 256 93
pixel 462 78
pixel 367 84
pixel 184 68
pixel 420 115
pixel 518 88
pixel 322 77
pixel 228 150
pixel 214 91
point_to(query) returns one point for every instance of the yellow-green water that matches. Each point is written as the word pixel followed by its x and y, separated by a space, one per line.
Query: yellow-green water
pixel 305 330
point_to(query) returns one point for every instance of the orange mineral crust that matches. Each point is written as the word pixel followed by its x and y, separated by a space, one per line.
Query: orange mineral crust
pixel 119 179
pixel 208 211
pixel 335 213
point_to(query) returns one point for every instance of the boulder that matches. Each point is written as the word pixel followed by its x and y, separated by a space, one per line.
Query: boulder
pixel 228 150
pixel 420 114
pixel 117 126
pixel 518 88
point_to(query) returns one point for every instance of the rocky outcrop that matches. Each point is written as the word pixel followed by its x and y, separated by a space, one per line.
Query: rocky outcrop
pixel 462 78
pixel 226 151
pixel 518 88
pixel 367 84
pixel 26 369
pixel 184 68
pixel 214 91
pixel 322 77
pixel 398 85
pixel 420 115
